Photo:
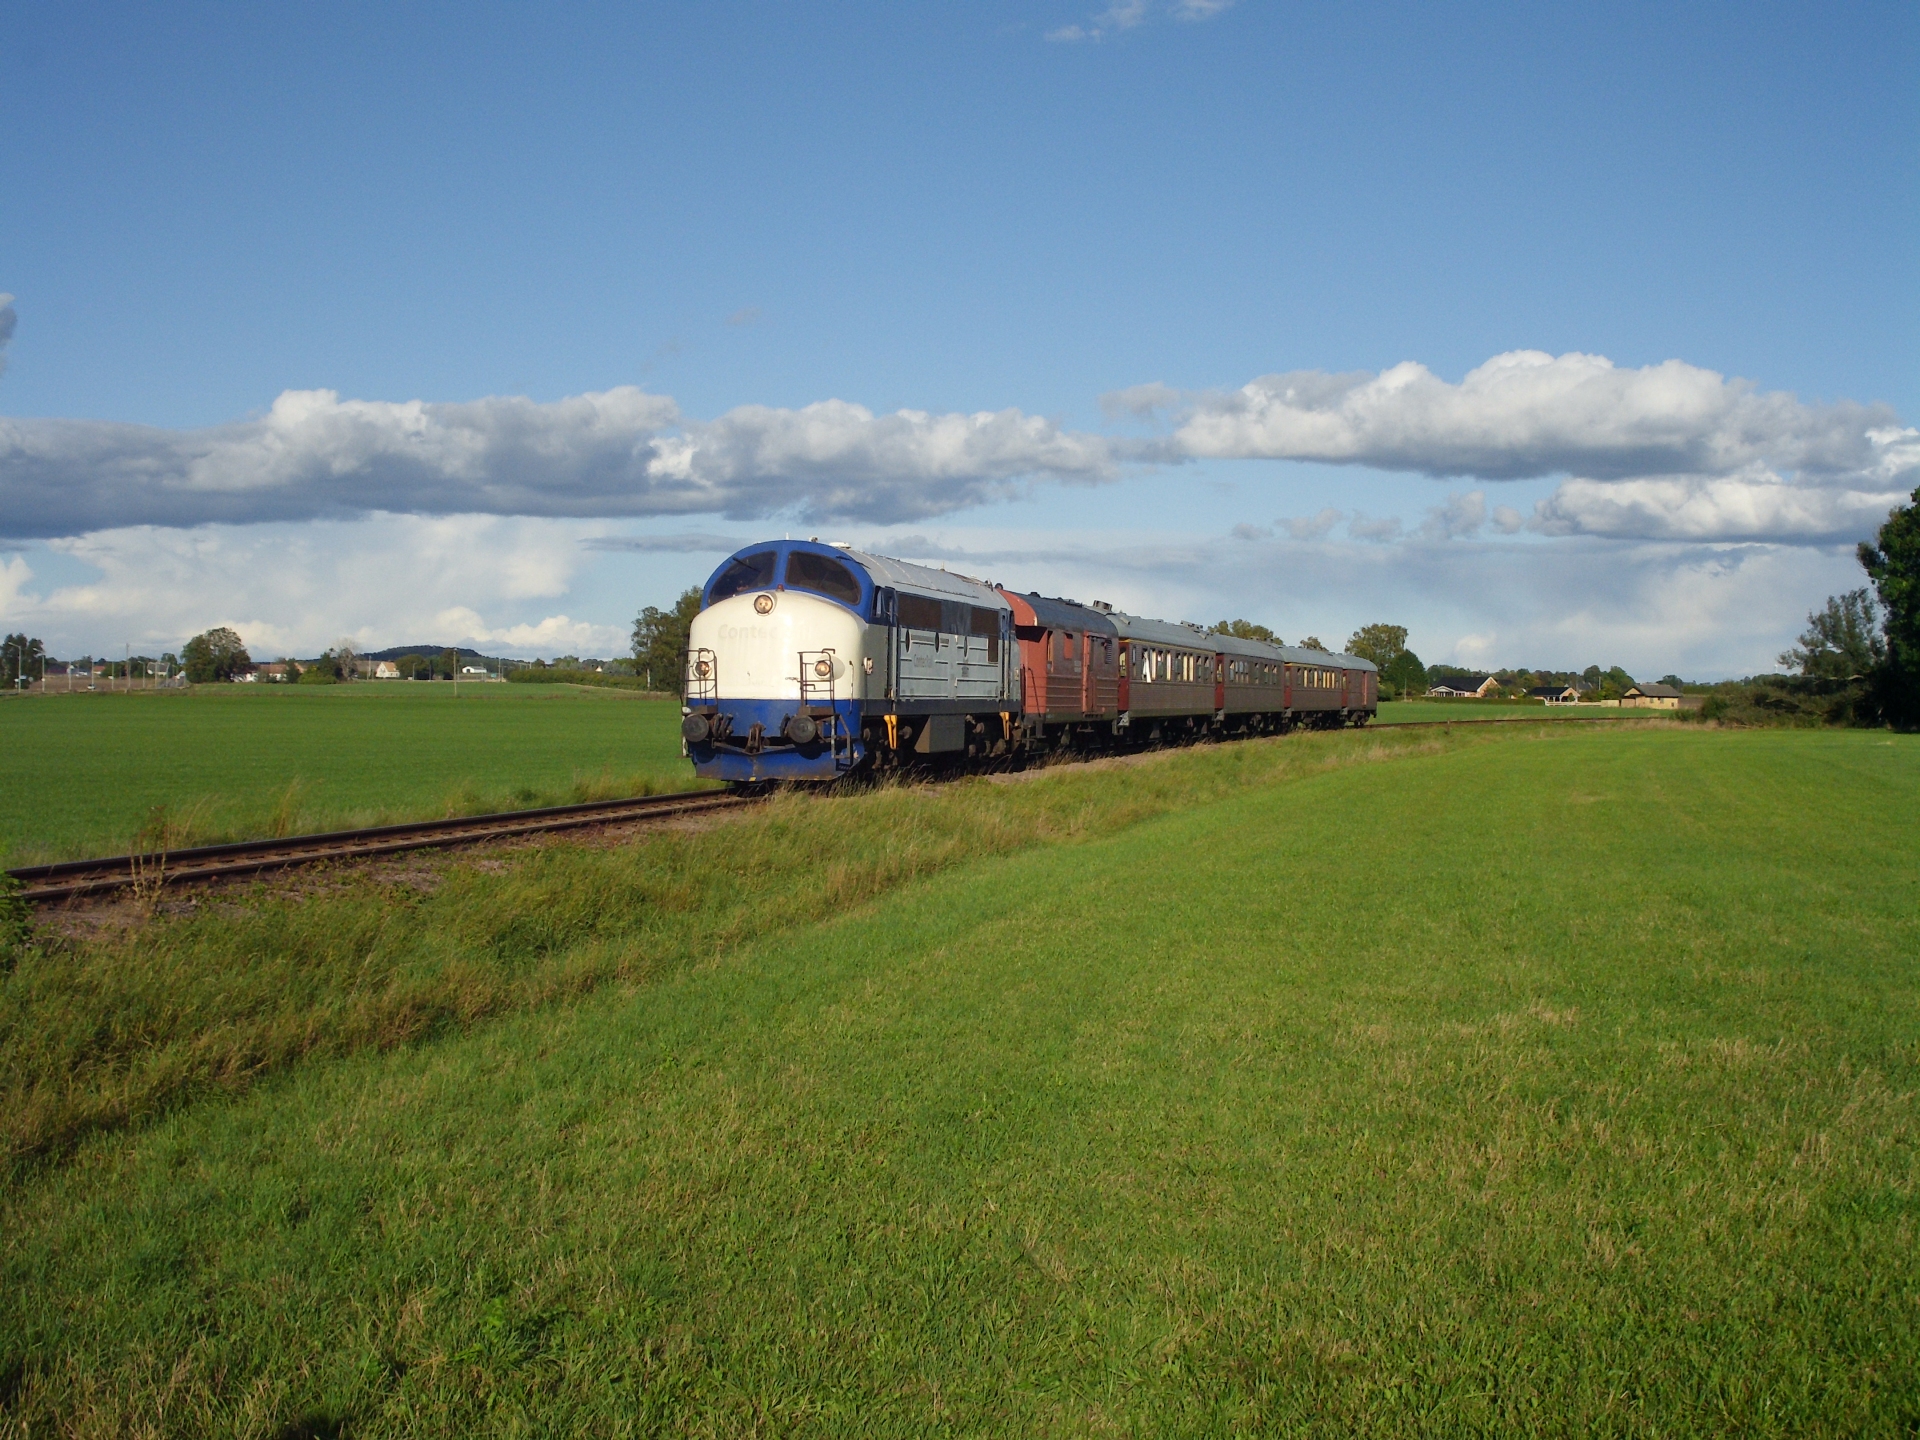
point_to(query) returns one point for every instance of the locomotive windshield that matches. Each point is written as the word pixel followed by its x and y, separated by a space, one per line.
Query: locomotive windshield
pixel 742 573
pixel 824 575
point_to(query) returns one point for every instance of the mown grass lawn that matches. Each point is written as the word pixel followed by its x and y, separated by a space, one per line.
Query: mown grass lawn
pixel 94 774
pixel 1554 1082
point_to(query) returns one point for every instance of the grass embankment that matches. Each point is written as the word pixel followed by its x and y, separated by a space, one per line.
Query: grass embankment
pixel 99 774
pixel 123 1026
pixel 1568 1085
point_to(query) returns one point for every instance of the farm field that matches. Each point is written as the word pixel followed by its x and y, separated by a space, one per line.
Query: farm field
pixel 1568 1086
pixel 1402 711
pixel 91 774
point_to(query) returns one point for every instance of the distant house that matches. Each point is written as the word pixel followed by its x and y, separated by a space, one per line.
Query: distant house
pixel 277 670
pixel 386 670
pixel 1554 694
pixel 1653 697
pixel 1463 687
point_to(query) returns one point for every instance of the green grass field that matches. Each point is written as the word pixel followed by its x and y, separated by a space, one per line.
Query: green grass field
pixel 1400 712
pixel 1567 1086
pixel 92 774
pixel 84 775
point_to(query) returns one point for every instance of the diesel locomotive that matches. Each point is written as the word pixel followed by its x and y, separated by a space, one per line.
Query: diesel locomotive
pixel 811 661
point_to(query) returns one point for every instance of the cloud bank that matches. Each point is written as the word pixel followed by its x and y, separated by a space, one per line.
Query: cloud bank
pixel 1666 452
pixel 620 452
pixel 1669 451
pixel 298 588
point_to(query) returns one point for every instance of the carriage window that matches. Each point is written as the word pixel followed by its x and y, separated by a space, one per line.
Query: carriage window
pixel 743 573
pixel 824 575
pixel 919 612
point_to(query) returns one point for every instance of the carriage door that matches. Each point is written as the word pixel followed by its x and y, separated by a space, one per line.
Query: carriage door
pixel 886 612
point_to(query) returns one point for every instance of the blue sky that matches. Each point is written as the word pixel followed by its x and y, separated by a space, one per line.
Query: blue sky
pixel 958 210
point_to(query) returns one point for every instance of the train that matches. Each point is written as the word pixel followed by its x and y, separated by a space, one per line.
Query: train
pixel 812 662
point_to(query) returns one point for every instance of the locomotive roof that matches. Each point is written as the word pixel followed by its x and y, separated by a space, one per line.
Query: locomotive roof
pixel 885 570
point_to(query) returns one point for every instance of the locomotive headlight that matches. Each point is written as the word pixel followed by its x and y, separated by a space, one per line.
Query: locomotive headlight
pixel 703 668
pixel 763 604
pixel 823 668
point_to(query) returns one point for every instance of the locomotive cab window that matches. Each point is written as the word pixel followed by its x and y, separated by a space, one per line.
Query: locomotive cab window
pixel 919 612
pixel 985 624
pixel 823 575
pixel 743 573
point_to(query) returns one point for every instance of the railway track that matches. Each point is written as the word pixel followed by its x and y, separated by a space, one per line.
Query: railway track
pixel 73 879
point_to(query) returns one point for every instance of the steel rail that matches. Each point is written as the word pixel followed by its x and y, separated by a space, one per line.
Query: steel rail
pixel 70 879
pixel 73 878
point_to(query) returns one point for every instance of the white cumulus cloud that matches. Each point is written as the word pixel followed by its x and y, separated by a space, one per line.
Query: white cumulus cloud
pixel 383 580
pixel 1692 446
pixel 1730 508
pixel 619 452
pixel 1528 414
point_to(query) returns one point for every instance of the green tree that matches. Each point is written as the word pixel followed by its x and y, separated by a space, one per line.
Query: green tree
pixel 660 640
pixel 21 656
pixel 1245 630
pixel 410 666
pixel 213 655
pixel 1841 642
pixel 450 663
pixel 1381 644
pixel 1313 642
pixel 1892 562
pixel 1405 674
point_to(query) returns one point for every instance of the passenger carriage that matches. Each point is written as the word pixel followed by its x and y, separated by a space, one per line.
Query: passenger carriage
pixel 1069 669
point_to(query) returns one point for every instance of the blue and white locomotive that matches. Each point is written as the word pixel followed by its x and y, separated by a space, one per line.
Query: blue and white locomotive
pixel 804 657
